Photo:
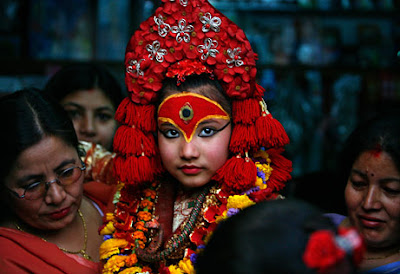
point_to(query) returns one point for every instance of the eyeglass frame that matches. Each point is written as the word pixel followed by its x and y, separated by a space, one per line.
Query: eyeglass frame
pixel 83 168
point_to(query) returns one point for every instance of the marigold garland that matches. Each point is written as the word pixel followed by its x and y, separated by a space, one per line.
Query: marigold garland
pixel 118 250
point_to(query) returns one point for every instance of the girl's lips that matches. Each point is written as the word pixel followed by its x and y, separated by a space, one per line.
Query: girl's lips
pixel 60 214
pixel 191 170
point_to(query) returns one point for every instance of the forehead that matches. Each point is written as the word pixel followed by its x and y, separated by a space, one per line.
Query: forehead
pixel 50 150
pixel 92 98
pixel 379 163
pixel 206 90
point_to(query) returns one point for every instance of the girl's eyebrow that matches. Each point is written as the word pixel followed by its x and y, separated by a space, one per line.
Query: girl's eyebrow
pixel 208 121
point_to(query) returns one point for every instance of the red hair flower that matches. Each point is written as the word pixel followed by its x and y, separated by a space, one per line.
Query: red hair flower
pixel 325 250
pixel 322 252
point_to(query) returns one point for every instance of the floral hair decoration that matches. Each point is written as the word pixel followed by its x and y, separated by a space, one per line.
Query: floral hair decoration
pixel 324 250
pixel 185 38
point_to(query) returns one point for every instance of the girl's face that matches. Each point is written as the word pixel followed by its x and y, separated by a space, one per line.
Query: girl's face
pixel 192 154
pixel 92 114
pixel 373 199
pixel 43 162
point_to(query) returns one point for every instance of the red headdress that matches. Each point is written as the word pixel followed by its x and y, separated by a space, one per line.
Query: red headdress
pixel 186 37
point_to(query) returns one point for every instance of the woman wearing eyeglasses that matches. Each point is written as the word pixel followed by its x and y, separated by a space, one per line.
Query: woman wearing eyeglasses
pixel 48 224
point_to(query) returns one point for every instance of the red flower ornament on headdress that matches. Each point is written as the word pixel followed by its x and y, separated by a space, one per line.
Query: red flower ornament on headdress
pixel 188 37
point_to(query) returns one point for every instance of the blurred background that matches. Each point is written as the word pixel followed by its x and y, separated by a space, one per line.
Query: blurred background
pixel 325 64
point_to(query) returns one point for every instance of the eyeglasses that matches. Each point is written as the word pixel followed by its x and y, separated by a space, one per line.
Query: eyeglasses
pixel 39 189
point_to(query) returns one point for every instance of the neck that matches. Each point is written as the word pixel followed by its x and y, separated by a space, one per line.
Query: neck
pixel 381 254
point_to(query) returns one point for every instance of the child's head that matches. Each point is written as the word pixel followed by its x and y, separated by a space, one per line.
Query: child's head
pixel 194 129
pixel 90 94
pixel 280 236
pixel 197 50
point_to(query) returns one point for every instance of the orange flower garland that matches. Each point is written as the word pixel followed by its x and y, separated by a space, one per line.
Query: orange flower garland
pixel 219 205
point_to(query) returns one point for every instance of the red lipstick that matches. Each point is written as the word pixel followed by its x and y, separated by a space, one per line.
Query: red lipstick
pixel 60 214
pixel 191 170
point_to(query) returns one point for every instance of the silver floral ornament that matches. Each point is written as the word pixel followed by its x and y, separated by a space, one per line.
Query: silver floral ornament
pixel 182 30
pixel 235 58
pixel 208 49
pixel 210 23
pixel 156 51
pixel 134 67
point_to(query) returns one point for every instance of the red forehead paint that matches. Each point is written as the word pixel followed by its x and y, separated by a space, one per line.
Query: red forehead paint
pixel 187 110
pixel 377 151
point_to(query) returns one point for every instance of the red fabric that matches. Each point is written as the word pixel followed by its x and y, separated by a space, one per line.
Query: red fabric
pixel 21 252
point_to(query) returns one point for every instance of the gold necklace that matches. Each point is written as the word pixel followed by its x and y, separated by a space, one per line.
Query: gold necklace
pixel 83 250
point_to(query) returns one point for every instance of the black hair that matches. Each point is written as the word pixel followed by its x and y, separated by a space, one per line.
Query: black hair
pixel 269 237
pixel 26 117
pixel 381 132
pixel 194 81
pixel 84 76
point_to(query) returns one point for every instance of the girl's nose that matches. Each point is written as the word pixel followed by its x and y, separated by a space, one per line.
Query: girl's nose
pixel 87 126
pixel 189 150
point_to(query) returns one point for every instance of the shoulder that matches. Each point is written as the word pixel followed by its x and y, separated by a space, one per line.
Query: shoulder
pixel 337 219
pixel 392 268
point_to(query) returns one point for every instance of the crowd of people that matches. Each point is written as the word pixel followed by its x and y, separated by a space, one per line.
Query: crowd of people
pixel 185 174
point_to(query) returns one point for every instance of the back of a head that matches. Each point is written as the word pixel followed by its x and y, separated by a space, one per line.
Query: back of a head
pixel 26 117
pixel 84 76
pixel 269 237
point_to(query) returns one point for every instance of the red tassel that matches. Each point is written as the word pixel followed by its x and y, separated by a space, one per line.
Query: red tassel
pixel 245 111
pixel 237 174
pixel 119 168
pixel 120 114
pixel 281 169
pixel 270 132
pixel 259 91
pixel 132 141
pixel 142 116
pixel 243 139
pixel 141 169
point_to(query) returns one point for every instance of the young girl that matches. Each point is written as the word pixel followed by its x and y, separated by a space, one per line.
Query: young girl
pixel 190 73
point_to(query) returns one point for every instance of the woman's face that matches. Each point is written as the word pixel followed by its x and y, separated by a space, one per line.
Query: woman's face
pixel 373 199
pixel 92 114
pixel 44 162
pixel 194 162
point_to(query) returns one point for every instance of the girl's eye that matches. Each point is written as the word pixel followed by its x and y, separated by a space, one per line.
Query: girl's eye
pixel 207 132
pixel 104 117
pixel 170 133
pixel 74 114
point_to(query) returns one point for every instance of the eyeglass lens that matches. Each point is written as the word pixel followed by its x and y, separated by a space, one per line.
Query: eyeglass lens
pixel 65 178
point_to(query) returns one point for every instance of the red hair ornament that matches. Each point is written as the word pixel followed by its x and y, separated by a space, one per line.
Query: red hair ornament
pixel 191 37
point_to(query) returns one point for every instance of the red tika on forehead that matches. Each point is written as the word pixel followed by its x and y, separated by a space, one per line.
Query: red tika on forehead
pixel 187 110
pixel 377 151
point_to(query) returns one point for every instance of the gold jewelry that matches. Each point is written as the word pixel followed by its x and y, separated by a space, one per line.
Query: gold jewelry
pixel 83 250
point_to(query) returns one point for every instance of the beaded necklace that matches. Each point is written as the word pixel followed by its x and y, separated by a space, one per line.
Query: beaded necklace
pixel 177 240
